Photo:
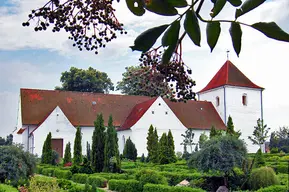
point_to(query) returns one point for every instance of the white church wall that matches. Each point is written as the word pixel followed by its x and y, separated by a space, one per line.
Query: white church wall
pixel 212 95
pixel 122 137
pixel 60 128
pixel 244 116
pixel 17 138
pixel 87 133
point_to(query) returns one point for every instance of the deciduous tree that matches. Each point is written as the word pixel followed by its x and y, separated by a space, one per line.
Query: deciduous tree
pixel 188 139
pixel 260 133
pixel 77 148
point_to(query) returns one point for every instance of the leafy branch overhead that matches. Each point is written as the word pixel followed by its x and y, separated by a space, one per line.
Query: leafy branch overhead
pixel 92 24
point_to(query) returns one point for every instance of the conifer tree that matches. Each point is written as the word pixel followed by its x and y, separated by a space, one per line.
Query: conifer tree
pixel 111 146
pixel 152 144
pixel 197 148
pixel 163 149
pixel 130 151
pixel 214 132
pixel 47 150
pixel 98 141
pixel 230 128
pixel 77 148
pixel 88 152
pixel 67 153
pixel 171 148
pixel 202 139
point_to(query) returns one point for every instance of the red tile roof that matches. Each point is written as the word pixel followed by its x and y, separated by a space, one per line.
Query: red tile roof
pixel 229 74
pixel 81 109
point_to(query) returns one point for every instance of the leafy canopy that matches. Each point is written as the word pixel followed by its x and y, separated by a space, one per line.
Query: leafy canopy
pixel 260 133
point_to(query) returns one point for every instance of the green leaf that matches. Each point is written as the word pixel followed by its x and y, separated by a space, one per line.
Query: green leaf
pixel 213 33
pixel 170 39
pixel 191 25
pixel 248 6
pixel 235 3
pixel 160 7
pixel 271 30
pixel 236 35
pixel 178 3
pixel 137 10
pixel 148 38
pixel 218 6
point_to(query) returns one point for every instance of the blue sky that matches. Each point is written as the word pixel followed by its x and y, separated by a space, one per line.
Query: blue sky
pixel 36 60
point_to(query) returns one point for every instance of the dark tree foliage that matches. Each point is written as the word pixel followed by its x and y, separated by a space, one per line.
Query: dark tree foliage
pixel 88 152
pixel 260 133
pixel 221 153
pixel 67 153
pixel 77 148
pixel 188 140
pixel 82 80
pixel 202 139
pixel 46 157
pixel 111 146
pixel 214 132
pixel 142 159
pixel 280 140
pixel 130 151
pixel 152 145
pixel 139 80
pixel 98 141
pixel 259 159
pixel 230 128
pixel 164 150
pixel 8 141
pixel 171 148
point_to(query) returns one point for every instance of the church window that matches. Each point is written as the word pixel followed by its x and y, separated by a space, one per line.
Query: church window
pixel 166 112
pixel 159 104
pixel 153 112
pixel 244 99
pixel 217 101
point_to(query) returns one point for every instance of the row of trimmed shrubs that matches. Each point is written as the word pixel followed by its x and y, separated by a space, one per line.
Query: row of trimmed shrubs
pixel 7 188
pixel 135 186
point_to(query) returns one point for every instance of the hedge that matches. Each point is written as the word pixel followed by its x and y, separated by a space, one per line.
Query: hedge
pixel 80 178
pixel 274 188
pixel 7 188
pixel 62 174
pixel 175 178
pixel 98 181
pixel 124 185
pixel 48 172
pixel 116 176
pixel 163 188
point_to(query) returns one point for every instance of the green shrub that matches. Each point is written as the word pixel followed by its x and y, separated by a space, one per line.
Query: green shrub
pixel 148 176
pixel 62 174
pixel 163 188
pixel 284 158
pixel 7 188
pixel 64 184
pixel 174 178
pixel 48 172
pixel 274 188
pixel 77 188
pixel 124 185
pixel 282 168
pixel 263 177
pixel 274 150
pixel 116 176
pixel 43 184
pixel 80 178
pixel 273 158
pixel 98 181
pixel 283 178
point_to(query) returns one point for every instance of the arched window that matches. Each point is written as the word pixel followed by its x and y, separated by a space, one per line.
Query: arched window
pixel 244 99
pixel 217 101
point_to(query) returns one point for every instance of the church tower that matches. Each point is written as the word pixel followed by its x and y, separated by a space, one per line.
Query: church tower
pixel 233 94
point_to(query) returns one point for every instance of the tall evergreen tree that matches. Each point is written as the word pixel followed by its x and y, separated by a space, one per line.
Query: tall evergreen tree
pixel 47 150
pixel 163 149
pixel 88 152
pixel 77 148
pixel 98 141
pixel 111 145
pixel 152 144
pixel 230 128
pixel 171 148
pixel 202 139
pixel 67 153
pixel 130 151
pixel 214 132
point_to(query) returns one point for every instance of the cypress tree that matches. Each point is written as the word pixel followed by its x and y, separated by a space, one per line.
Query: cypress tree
pixel 202 139
pixel 230 128
pixel 171 148
pixel 150 141
pixel 130 151
pixel 77 152
pixel 98 141
pixel 163 149
pixel 88 152
pixel 214 132
pixel 67 153
pixel 47 150
pixel 111 146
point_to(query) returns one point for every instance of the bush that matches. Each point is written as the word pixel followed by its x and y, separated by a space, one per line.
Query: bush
pixel 263 177
pixel 284 158
pixel 124 185
pixel 148 176
pixel 116 176
pixel 62 174
pixel 48 172
pixel 283 178
pixel 98 181
pixel 7 188
pixel 282 168
pixel 174 178
pixel 164 188
pixel 43 184
pixel 274 188
pixel 16 163
pixel 64 184
pixel 80 178
pixel 274 150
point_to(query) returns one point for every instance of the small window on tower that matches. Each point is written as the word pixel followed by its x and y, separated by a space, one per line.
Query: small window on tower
pixel 217 101
pixel 244 99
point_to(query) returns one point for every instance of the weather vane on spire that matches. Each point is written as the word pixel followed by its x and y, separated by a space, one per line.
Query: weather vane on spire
pixel 228 51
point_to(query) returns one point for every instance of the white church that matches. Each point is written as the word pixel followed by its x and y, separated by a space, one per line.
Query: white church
pixel 229 93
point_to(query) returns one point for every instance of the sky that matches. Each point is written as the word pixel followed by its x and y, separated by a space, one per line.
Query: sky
pixel 36 60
